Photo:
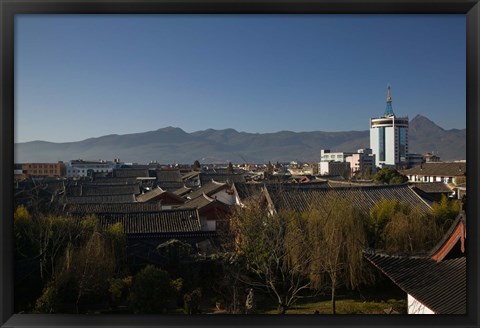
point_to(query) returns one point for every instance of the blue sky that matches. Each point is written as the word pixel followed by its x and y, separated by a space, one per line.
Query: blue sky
pixel 81 76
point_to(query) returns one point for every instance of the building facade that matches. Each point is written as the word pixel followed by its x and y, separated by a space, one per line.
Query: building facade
pixel 41 169
pixel 81 168
pixel 389 137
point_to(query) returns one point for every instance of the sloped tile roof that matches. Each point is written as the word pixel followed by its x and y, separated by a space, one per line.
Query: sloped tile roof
pixel 168 176
pixel 155 192
pixel 441 286
pixel 445 169
pixel 190 175
pixel 226 178
pixel 198 202
pixel 182 191
pixel 432 187
pixel 149 195
pixel 126 198
pixel 207 189
pixel 130 173
pixel 109 189
pixel 246 190
pixel 114 180
pixel 453 233
pixel 96 208
pixel 170 186
pixel 285 196
pixel 166 221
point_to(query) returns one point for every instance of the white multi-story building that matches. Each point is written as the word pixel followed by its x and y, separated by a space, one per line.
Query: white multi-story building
pixel 358 162
pixel 389 137
pixel 81 168
pixel 361 161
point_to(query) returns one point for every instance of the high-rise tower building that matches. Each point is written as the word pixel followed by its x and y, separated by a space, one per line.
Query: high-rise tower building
pixel 389 137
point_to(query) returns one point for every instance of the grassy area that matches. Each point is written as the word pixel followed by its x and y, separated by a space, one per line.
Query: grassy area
pixel 347 306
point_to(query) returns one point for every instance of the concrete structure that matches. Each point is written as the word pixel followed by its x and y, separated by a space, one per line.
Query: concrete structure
pixel 41 169
pixel 81 168
pixel 361 161
pixel 357 162
pixel 334 168
pixel 389 137
pixel 415 160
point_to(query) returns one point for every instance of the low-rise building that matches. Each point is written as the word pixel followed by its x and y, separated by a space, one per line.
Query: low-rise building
pixel 41 169
pixel 81 168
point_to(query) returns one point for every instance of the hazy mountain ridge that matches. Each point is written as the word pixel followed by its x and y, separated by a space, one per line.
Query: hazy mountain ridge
pixel 170 144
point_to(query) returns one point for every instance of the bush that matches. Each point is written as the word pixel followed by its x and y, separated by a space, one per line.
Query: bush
pixel 152 291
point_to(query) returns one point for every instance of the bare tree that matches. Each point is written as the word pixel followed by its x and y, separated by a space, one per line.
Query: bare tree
pixel 274 251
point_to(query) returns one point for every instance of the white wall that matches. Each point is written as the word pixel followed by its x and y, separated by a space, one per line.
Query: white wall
pixel 415 307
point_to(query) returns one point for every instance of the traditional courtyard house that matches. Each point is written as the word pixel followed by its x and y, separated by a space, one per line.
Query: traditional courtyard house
pixel 206 178
pixel 244 191
pixel 169 179
pixel 191 179
pixel 147 230
pixel 183 191
pixel 108 199
pixel 80 210
pixel 166 199
pixel 126 172
pixel 446 172
pixel 432 191
pixel 435 283
pixel 364 198
pixel 213 213
pixel 89 189
pixel 217 190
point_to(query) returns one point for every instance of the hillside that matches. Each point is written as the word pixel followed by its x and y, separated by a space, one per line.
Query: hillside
pixel 173 145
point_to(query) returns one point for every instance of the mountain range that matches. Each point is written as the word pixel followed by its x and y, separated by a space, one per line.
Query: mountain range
pixel 173 145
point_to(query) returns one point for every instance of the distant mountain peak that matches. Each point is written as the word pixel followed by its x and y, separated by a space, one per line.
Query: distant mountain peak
pixel 421 123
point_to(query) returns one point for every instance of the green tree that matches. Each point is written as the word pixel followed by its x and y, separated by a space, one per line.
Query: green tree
pixel 411 231
pixel 445 211
pixel 388 175
pixel 336 239
pixel 379 217
pixel 152 291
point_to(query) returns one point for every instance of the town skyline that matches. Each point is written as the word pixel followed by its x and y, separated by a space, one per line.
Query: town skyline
pixel 90 76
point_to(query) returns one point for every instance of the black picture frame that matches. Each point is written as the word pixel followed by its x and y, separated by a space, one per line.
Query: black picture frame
pixel 9 8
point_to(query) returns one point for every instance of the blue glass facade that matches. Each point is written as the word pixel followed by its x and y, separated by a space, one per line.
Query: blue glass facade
pixel 381 144
pixel 402 144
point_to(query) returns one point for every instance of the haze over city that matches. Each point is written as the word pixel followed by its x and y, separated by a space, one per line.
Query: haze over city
pixel 86 76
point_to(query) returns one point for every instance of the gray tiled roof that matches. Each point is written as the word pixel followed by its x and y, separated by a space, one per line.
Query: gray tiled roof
pixel 126 198
pixel 168 176
pixel 441 286
pixel 226 178
pixel 96 208
pixel 170 186
pixel 182 191
pixel 149 195
pixel 432 187
pixel 178 220
pixel 246 190
pixel 207 189
pixel 114 180
pixel 199 202
pixel 130 173
pixel 285 196
pixel 445 169
pixel 109 189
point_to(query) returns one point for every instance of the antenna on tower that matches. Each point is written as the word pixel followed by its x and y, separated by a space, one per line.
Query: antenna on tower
pixel 389 109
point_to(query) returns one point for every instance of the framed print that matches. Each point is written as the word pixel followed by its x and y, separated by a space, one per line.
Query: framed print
pixel 266 163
